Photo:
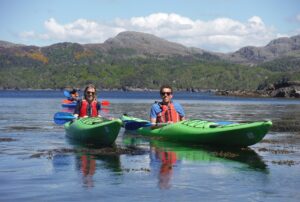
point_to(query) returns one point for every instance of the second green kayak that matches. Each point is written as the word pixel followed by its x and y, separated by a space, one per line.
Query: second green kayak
pixel 206 132
pixel 96 131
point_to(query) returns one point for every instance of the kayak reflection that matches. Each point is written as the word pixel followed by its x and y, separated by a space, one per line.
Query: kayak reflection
pixel 198 153
pixel 167 157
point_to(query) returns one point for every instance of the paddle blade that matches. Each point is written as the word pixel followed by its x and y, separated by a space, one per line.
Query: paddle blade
pixel 66 101
pixel 105 103
pixel 104 110
pixel 60 121
pixel 62 117
pixel 134 125
pixel 67 93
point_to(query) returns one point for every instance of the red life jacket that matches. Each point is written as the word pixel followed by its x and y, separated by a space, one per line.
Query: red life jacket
pixel 85 106
pixel 168 114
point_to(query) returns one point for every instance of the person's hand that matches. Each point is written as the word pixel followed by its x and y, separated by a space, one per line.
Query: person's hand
pixel 76 116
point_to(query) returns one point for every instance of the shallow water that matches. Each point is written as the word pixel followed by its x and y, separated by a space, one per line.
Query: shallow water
pixel 38 163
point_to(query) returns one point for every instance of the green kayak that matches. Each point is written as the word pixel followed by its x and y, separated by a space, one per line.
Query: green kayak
pixel 206 132
pixel 96 131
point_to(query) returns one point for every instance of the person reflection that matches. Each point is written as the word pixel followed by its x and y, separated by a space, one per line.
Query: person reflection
pixel 168 160
pixel 88 167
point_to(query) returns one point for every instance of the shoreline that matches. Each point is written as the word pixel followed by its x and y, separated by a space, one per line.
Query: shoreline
pixel 274 93
pixel 113 89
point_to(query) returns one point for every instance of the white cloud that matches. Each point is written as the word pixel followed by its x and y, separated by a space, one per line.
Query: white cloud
pixel 80 31
pixel 221 34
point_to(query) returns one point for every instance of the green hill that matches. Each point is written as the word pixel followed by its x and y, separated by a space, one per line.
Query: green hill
pixel 136 60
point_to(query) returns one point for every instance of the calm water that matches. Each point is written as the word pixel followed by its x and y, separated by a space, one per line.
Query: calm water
pixel 38 163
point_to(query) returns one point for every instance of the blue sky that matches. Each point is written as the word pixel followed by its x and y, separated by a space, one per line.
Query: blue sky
pixel 215 25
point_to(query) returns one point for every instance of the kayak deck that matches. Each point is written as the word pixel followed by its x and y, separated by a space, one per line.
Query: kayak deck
pixel 206 132
pixel 96 131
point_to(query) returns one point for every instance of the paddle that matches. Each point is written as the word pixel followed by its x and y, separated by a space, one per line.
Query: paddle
pixel 63 117
pixel 105 103
pixel 104 110
pixel 67 94
pixel 134 125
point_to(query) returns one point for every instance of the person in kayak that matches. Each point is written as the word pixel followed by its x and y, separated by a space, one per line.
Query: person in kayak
pixel 88 106
pixel 166 111
pixel 74 96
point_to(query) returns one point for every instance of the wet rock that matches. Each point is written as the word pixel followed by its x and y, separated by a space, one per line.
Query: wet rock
pixel 275 151
pixel 282 89
pixel 99 151
pixel 7 139
pixel 285 162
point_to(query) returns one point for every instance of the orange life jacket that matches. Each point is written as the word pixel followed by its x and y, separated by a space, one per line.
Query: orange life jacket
pixel 67 101
pixel 85 106
pixel 168 114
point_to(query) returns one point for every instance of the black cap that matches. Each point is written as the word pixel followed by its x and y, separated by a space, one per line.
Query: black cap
pixel 73 91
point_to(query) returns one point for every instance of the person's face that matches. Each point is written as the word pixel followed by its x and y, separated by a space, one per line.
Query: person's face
pixel 166 95
pixel 75 95
pixel 90 94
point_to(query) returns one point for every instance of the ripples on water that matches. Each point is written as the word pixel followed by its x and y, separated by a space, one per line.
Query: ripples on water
pixel 39 164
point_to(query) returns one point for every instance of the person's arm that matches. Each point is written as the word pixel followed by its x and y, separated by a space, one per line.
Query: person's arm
pixel 77 109
pixel 180 111
pixel 153 113
pixel 153 120
pixel 99 108
pixel 155 109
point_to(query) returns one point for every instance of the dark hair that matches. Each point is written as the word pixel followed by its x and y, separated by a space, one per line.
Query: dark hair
pixel 73 91
pixel 90 86
pixel 165 86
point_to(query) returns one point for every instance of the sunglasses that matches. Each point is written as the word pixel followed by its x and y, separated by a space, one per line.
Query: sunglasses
pixel 166 93
pixel 89 92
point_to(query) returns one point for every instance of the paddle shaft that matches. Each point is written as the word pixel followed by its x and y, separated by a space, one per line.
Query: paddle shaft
pixel 134 125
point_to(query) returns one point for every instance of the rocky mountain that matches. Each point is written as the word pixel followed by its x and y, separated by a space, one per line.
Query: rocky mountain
pixel 6 44
pixel 139 60
pixel 125 45
pixel 147 44
pixel 136 44
pixel 279 48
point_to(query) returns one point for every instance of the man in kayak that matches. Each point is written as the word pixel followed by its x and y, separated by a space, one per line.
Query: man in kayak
pixel 166 111
pixel 88 106
pixel 74 96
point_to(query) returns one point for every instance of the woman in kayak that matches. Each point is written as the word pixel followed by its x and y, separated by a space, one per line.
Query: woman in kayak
pixel 88 106
pixel 166 111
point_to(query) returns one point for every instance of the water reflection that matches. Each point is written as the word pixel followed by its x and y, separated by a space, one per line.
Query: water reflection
pixel 166 159
pixel 88 164
pixel 62 161
pixel 167 156
pixel 87 161
pixel 68 109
